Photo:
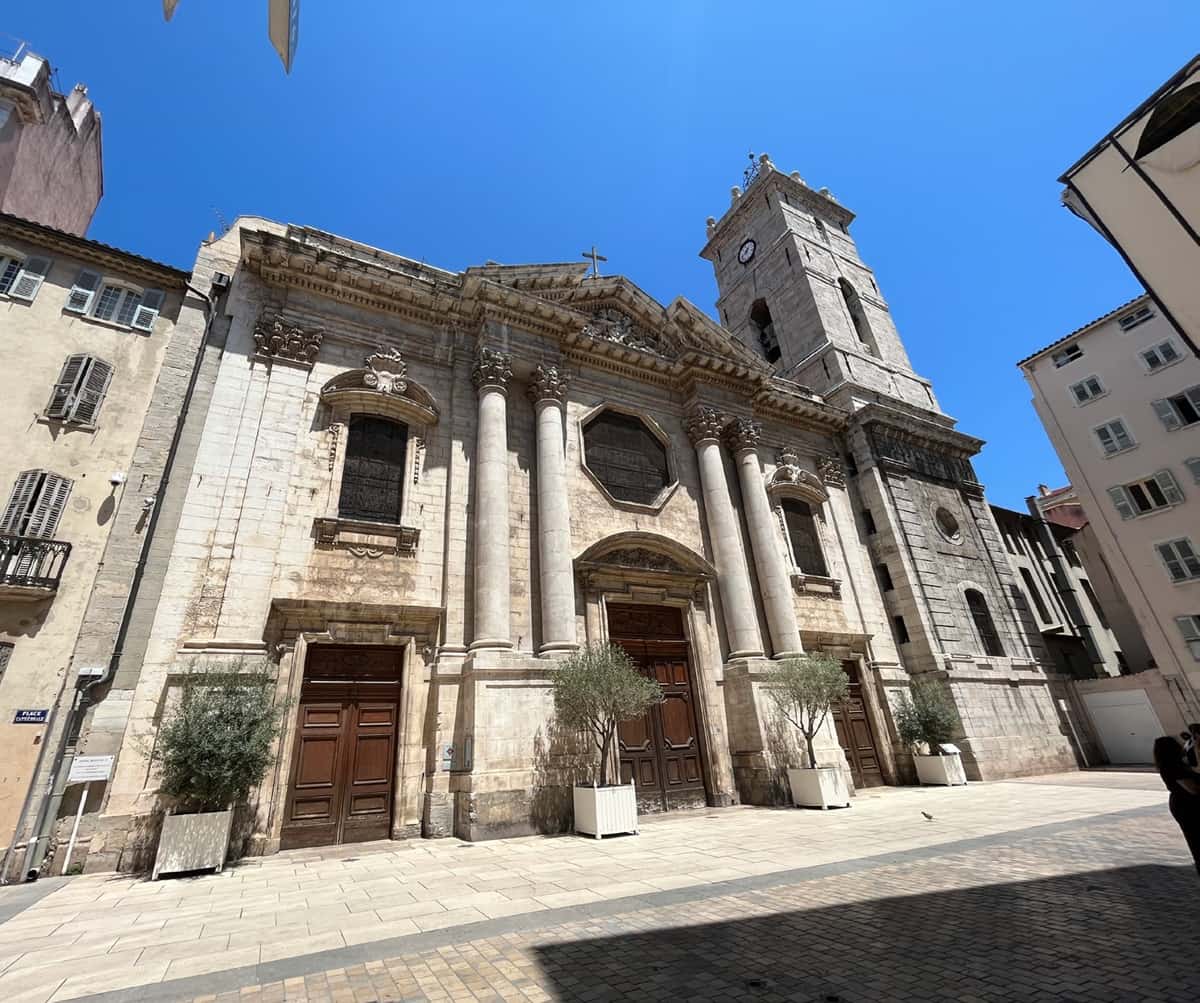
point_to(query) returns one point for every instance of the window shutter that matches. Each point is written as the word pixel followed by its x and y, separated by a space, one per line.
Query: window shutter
pixel 10 268
pixel 1166 413
pixel 82 292
pixel 1193 466
pixel 152 300
pixel 62 397
pixel 91 394
pixel 18 502
pixel 1170 487
pixel 49 508
pixel 1190 561
pixel 30 280
pixel 1189 626
pixel 1120 500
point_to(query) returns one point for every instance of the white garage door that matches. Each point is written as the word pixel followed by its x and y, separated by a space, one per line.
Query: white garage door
pixel 1126 724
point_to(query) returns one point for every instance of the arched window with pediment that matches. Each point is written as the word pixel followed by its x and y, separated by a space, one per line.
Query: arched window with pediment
pixel 803 536
pixel 373 472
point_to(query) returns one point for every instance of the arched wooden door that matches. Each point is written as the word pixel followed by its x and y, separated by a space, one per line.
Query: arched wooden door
pixel 344 766
pixel 661 753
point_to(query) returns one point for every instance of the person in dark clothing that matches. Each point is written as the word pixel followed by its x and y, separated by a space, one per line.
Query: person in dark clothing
pixel 1184 785
pixel 1193 749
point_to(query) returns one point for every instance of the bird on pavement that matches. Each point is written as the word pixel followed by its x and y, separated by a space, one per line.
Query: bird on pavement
pixel 928 817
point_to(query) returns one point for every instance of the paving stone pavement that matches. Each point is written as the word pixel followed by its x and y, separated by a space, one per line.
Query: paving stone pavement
pixel 1070 888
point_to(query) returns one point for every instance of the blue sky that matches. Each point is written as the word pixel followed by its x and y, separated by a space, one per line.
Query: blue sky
pixel 527 131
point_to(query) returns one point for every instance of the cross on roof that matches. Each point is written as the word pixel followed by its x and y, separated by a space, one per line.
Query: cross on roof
pixel 596 258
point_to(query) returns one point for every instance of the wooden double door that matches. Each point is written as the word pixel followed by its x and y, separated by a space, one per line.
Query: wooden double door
pixel 661 753
pixel 855 734
pixel 342 783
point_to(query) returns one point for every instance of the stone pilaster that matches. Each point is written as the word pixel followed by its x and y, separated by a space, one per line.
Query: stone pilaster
pixel 742 434
pixel 490 375
pixel 704 425
pixel 548 391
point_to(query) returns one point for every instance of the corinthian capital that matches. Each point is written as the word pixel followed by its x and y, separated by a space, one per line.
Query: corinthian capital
pixel 743 433
pixel 492 370
pixel 704 424
pixel 549 383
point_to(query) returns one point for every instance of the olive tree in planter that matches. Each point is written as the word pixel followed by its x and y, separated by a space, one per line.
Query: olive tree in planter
pixel 925 717
pixel 805 689
pixel 595 689
pixel 212 750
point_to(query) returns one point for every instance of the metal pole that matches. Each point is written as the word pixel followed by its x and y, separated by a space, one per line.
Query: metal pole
pixel 75 828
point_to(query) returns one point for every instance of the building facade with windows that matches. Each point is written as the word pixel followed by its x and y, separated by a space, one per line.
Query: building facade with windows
pixel 409 492
pixel 85 331
pixel 1120 400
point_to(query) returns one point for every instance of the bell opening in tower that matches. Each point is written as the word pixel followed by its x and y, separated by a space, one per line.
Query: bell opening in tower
pixel 760 320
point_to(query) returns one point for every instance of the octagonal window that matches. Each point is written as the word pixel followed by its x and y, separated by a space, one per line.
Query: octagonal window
pixel 626 457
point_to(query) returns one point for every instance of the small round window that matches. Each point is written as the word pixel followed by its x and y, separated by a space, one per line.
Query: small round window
pixel 947 525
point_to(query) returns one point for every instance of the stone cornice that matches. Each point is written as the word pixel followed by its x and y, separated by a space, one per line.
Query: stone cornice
pixel 914 428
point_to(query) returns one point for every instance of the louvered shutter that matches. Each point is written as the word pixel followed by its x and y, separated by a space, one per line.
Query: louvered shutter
pixel 19 501
pixel 143 318
pixel 1166 413
pixel 49 507
pixel 82 292
pixel 62 397
pixel 1170 487
pixel 1174 565
pixel 30 280
pixel 1120 500
pixel 91 393
pixel 1193 466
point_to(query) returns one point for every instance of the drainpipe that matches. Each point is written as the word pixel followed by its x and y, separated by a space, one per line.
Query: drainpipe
pixel 35 851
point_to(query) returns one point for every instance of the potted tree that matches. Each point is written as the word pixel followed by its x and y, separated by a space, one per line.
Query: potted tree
pixel 595 689
pixel 805 689
pixel 211 751
pixel 926 718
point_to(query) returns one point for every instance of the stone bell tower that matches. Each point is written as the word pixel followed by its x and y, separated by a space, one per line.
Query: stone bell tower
pixel 793 288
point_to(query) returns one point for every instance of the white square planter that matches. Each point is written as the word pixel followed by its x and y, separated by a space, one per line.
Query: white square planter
pixel 193 842
pixel 824 787
pixel 605 811
pixel 945 770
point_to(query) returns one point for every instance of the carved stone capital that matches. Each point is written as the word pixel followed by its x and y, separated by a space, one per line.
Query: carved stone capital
pixel 549 383
pixel 276 339
pixel 386 372
pixel 492 370
pixel 832 470
pixel 742 434
pixel 704 424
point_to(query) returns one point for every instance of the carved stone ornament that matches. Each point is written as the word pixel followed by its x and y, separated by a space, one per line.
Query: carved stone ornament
pixel 549 383
pixel 743 433
pixel 386 372
pixel 276 339
pixel 641 558
pixel 609 324
pixel 704 423
pixel 832 470
pixel 790 474
pixel 492 369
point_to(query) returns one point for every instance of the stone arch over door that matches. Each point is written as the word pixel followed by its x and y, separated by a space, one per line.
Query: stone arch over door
pixel 651 569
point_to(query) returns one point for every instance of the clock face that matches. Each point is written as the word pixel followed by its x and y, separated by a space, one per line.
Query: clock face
pixel 746 252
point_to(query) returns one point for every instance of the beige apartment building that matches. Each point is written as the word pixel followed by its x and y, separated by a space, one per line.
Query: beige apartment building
pixel 1120 400
pixel 86 330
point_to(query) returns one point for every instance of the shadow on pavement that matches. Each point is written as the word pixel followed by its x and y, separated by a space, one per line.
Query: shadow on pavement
pixel 1124 934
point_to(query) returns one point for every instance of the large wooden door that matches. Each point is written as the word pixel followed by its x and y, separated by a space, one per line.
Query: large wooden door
pixel 662 752
pixel 343 771
pixel 854 733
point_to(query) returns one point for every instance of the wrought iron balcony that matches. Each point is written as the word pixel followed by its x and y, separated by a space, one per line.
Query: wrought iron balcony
pixel 31 568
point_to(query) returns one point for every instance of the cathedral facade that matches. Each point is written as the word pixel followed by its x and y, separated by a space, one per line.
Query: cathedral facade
pixel 409 492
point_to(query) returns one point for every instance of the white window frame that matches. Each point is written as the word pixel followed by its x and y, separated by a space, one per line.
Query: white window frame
pixel 28 273
pixel 1189 627
pixel 1107 427
pixel 1179 558
pixel 1084 402
pixel 1136 317
pixel 1155 351
pixel 1124 498
pixel 90 288
pixel 1066 355
pixel 1167 410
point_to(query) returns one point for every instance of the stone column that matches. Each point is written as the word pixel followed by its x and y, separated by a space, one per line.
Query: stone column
pixel 773 580
pixel 490 375
pixel 704 426
pixel 548 391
